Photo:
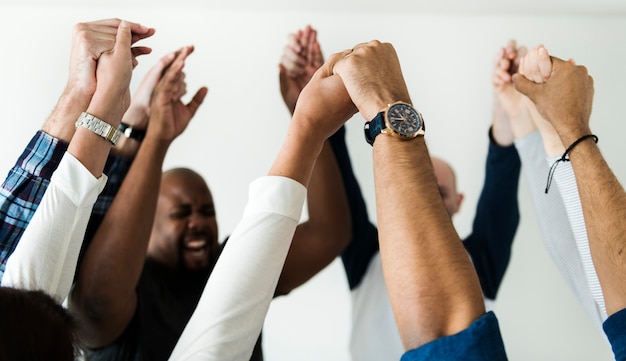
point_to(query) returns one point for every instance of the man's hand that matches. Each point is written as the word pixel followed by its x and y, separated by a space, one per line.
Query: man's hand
pixel 511 116
pixel 372 76
pixel 300 60
pixel 89 41
pixel 138 112
pixel 169 116
pixel 324 105
pixel 113 73
pixel 562 92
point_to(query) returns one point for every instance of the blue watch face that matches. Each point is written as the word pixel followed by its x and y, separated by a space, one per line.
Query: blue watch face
pixel 404 120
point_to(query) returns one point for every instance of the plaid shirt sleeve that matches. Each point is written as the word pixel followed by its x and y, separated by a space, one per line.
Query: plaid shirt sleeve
pixel 27 181
pixel 25 185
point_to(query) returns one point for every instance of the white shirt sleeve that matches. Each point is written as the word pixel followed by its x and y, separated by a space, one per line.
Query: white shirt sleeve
pixel 554 224
pixel 46 255
pixel 232 309
pixel 566 180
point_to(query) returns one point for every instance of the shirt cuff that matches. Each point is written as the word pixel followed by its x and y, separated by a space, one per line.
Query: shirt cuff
pixel 276 194
pixel 76 182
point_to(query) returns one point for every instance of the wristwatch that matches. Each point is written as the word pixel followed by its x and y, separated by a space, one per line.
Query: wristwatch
pixel 398 119
pixel 131 132
pixel 98 126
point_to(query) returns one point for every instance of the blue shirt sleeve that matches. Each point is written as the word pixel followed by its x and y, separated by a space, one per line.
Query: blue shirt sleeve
pixel 481 341
pixel 497 217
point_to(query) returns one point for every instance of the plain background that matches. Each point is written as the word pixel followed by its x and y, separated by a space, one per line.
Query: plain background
pixel 447 58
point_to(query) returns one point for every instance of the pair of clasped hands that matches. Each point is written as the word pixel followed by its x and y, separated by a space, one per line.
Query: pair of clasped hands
pixel 368 77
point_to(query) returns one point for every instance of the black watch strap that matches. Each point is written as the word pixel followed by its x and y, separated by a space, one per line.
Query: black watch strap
pixel 131 132
pixel 374 127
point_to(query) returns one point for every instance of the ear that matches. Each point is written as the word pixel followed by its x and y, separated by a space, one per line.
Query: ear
pixel 459 201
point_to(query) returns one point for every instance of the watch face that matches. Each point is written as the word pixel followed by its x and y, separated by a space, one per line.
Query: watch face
pixel 404 120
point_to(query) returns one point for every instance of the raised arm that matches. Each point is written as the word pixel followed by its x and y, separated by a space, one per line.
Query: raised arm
pixel 497 212
pixel 21 192
pixel 47 254
pixel 319 240
pixel 563 94
pixel 433 288
pixel 104 297
pixel 246 274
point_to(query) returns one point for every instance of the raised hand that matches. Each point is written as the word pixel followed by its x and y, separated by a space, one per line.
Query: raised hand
pixel 300 60
pixel 113 74
pixel 372 76
pixel 561 90
pixel 89 41
pixel 138 112
pixel 324 105
pixel 169 116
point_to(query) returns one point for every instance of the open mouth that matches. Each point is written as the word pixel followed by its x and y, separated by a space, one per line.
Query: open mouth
pixel 196 248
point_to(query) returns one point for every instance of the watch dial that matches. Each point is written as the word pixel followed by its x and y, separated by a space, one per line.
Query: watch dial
pixel 404 120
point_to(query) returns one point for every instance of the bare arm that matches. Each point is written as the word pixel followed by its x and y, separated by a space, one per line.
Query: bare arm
pixel 47 254
pixel 433 288
pixel 89 41
pixel 565 101
pixel 104 296
pixel 324 235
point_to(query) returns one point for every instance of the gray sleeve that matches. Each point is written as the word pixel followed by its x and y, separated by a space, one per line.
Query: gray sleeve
pixel 554 223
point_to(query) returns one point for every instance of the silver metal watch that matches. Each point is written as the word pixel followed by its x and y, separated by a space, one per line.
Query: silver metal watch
pixel 98 126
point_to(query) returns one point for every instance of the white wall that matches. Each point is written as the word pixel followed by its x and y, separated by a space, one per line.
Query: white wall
pixel 447 60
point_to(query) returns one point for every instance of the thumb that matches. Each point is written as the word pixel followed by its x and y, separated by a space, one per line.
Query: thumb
pixel 525 86
pixel 328 68
pixel 123 37
pixel 197 100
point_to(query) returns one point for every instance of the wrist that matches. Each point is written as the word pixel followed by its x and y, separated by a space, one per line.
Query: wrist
pixel 60 123
pixel 569 135
pixel 377 102
pixel 108 108
pixel 136 117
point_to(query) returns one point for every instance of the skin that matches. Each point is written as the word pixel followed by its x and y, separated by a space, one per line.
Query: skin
pixel 563 93
pixel 105 301
pixel 185 229
pixel 140 223
pixel 433 287
pixel 446 181
pixel 111 74
pixel 89 41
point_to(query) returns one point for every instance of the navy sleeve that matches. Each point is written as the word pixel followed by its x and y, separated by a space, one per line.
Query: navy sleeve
pixel 497 217
pixel 364 243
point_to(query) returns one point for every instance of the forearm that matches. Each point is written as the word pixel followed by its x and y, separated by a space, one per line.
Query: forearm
pixel 496 219
pixel 565 179
pixel 245 276
pixel 604 208
pixel 432 285
pixel 114 260
pixel 60 123
pixel 554 225
pixel 47 254
pixel 297 155
pixel 324 235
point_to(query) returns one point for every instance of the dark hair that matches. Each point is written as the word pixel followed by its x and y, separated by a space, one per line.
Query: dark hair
pixel 33 326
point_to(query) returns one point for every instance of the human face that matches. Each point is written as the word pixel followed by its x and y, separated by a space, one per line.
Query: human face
pixel 184 234
pixel 447 186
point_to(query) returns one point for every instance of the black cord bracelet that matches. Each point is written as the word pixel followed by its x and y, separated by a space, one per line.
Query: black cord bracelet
pixel 565 157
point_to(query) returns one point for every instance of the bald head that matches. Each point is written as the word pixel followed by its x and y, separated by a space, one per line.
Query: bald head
pixel 446 180
pixel 185 229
